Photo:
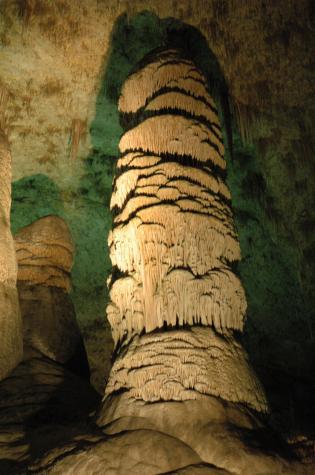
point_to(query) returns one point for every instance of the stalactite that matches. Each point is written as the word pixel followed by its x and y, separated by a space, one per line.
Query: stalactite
pixel 26 11
pixel 45 253
pixel 246 120
pixel 78 128
pixel 4 98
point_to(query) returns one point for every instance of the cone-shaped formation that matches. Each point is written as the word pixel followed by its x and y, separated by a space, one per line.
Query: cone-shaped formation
pixel 173 239
pixel 45 253
pixel 184 365
pixel 45 257
pixel 10 319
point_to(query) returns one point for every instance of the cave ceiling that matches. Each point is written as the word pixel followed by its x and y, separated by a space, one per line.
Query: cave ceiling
pixel 53 55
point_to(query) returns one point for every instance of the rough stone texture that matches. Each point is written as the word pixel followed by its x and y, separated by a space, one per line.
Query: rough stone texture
pixel 227 26
pixel 205 436
pixel 42 406
pixel 173 241
pixel 45 256
pixel 99 346
pixel 183 365
pixel 52 68
pixel 223 435
pixel 45 253
pixel 11 346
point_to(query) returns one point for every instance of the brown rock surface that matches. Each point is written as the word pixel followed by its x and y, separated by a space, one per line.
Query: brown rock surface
pixel 43 60
pixel 10 319
pixel 207 436
pixel 45 256
pixel 42 406
pixel 45 253
pixel 183 365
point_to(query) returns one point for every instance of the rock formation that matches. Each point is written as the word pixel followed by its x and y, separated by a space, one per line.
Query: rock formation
pixel 181 381
pixel 45 253
pixel 181 396
pixel 11 346
pixel 45 256
pixel 43 406
pixel 173 245
pixel 45 387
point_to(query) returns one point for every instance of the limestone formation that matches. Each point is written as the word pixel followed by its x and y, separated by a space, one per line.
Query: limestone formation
pixel 167 72
pixel 10 319
pixel 42 405
pixel 173 239
pixel 45 253
pixel 184 364
pixel 174 101
pixel 162 135
pixel 45 256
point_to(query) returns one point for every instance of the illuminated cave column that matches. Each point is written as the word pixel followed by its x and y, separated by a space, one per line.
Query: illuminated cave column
pixel 172 245
pixel 11 346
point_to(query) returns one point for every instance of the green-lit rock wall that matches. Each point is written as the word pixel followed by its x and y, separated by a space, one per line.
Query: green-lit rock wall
pixel 276 272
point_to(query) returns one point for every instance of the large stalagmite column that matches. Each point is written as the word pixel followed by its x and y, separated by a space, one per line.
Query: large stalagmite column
pixel 175 301
pixel 10 320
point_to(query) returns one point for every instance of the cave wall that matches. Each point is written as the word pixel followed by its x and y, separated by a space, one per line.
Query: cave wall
pixel 62 68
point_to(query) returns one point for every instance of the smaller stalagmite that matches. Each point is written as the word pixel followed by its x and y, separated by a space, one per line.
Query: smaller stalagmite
pixel 45 256
pixel 48 394
pixel 10 319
